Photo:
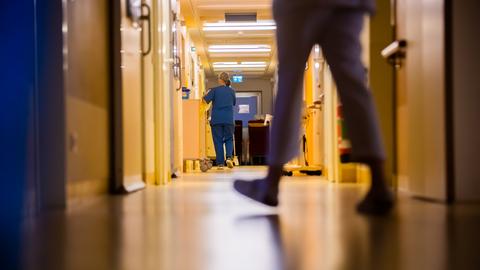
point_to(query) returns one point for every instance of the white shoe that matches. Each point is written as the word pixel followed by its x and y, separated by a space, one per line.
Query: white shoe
pixel 220 167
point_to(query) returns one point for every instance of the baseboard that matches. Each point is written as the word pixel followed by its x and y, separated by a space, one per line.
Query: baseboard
pixel 81 191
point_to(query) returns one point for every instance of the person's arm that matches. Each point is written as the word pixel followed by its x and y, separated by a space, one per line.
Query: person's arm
pixel 209 96
pixel 234 98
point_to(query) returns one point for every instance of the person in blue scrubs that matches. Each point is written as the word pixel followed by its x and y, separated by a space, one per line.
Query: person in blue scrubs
pixel 223 101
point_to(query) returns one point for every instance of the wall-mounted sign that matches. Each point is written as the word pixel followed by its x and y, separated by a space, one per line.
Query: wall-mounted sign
pixel 237 78
pixel 243 109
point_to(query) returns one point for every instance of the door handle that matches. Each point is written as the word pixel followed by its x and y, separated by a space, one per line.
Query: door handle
pixel 395 52
pixel 148 18
pixel 178 65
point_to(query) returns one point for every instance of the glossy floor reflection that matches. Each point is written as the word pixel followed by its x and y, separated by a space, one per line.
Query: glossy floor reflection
pixel 198 222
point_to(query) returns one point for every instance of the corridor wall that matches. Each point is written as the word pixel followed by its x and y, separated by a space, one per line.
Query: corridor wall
pixel 88 97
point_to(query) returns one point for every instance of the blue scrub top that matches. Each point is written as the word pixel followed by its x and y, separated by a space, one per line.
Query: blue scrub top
pixel 223 98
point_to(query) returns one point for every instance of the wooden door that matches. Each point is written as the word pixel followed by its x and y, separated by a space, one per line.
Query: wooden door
pixel 420 99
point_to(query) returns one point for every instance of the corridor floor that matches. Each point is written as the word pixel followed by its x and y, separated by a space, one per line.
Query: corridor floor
pixel 198 223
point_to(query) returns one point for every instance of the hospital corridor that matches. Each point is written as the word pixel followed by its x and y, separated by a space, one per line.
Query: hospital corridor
pixel 200 223
pixel 239 134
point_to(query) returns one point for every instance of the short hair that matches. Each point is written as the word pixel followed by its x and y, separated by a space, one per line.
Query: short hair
pixel 224 77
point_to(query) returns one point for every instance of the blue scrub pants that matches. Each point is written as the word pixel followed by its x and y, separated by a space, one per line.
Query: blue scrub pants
pixel 223 134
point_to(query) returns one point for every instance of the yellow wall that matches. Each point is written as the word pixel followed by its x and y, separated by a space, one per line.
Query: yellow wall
pixel 87 102
pixel 164 87
pixel 308 81
pixel 309 85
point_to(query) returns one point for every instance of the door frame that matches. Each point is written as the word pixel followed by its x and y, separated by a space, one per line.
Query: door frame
pixel 163 88
pixel 117 135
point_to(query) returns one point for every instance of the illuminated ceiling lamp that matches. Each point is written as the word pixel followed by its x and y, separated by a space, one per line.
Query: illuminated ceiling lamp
pixel 239 65
pixel 260 48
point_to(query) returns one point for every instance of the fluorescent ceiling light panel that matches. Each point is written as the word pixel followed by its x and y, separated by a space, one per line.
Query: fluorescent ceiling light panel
pixel 225 63
pixel 239 65
pixel 239 48
pixel 240 55
pixel 239 69
pixel 254 63
pixel 252 46
pixel 259 63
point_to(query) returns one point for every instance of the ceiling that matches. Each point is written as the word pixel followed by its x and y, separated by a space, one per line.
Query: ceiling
pixel 236 48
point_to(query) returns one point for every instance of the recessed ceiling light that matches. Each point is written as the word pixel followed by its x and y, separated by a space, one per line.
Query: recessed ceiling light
pixel 239 65
pixel 239 48
pixel 254 63
pixel 226 63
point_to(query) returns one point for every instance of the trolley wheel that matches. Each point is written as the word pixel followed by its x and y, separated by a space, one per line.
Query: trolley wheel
pixel 209 163
pixel 203 166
